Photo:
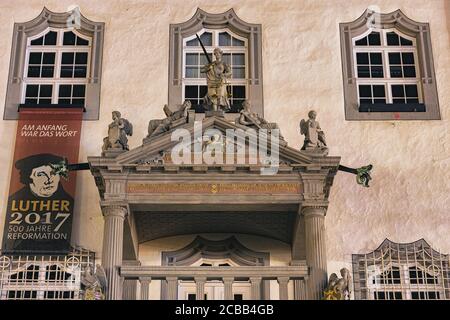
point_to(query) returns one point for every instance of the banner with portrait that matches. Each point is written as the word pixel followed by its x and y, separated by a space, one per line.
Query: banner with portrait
pixel 40 205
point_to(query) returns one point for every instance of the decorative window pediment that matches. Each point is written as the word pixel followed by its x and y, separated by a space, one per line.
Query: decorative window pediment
pixel 241 43
pixel 55 61
pixel 388 68
pixel 401 271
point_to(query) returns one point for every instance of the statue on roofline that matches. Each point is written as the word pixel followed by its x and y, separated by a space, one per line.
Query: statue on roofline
pixel 118 130
pixel 314 136
pixel 254 120
pixel 158 126
pixel 217 74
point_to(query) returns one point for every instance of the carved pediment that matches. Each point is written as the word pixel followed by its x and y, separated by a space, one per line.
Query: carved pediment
pixel 213 141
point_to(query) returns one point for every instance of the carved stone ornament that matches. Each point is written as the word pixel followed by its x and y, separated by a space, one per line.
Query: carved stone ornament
pixel 339 288
pixel 314 136
pixel 118 130
pixel 217 74
pixel 173 118
pixel 94 284
pixel 255 121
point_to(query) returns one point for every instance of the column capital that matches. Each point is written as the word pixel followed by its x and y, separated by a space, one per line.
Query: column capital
pixel 314 209
pixel 255 279
pixel 115 210
pixel 199 279
pixel 228 279
pixel 283 279
pixel 145 279
pixel 171 278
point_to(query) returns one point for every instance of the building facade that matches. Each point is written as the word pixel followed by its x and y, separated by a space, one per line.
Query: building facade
pixel 376 73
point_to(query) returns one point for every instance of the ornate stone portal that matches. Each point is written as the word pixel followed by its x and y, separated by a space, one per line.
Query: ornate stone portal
pixel 194 198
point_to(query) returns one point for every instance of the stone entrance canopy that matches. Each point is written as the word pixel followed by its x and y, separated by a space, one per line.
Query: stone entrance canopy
pixel 146 195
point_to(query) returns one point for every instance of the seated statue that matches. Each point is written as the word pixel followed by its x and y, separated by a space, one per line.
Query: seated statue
pixel 158 126
pixel 314 136
pixel 339 288
pixel 253 120
pixel 118 130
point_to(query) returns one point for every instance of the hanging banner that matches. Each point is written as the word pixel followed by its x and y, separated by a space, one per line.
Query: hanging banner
pixel 42 190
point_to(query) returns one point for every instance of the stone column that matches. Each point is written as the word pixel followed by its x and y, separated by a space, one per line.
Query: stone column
pixel 299 290
pixel 145 283
pixel 129 290
pixel 112 249
pixel 256 288
pixel 283 284
pixel 172 288
pixel 228 288
pixel 200 285
pixel 315 250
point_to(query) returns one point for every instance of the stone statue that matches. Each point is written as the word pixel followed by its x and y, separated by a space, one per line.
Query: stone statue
pixel 94 284
pixel 314 136
pixel 339 288
pixel 158 126
pixel 118 131
pixel 217 73
pixel 253 120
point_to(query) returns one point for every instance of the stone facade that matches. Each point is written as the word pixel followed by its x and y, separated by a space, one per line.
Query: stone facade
pixel 301 64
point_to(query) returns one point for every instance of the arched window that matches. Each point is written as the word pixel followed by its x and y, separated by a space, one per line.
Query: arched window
pixel 234 50
pixel 56 60
pixel 388 68
pixel 242 45
pixel 56 69
pixel 397 271
pixel 227 253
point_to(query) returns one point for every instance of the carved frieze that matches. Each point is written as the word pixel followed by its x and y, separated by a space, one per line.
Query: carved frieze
pixel 215 188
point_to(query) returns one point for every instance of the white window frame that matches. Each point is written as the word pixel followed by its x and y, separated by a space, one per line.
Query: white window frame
pixel 42 285
pixel 384 49
pixel 59 49
pixel 404 287
pixel 226 49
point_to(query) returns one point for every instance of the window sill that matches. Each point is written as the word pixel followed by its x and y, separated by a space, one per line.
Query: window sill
pixel 384 107
pixel 55 106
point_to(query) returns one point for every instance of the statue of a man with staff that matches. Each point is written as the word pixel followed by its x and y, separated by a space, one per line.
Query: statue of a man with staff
pixel 217 74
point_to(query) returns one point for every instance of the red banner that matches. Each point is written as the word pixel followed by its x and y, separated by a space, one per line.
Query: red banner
pixel 42 190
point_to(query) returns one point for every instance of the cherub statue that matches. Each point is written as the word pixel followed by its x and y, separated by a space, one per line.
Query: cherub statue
pixel 158 126
pixel 94 284
pixel 314 136
pixel 339 288
pixel 118 130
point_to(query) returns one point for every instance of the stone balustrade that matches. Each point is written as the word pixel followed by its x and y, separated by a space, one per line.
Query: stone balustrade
pixel 200 275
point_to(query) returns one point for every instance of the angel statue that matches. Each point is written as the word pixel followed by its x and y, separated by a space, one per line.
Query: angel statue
pixel 118 130
pixel 339 288
pixel 94 284
pixel 314 136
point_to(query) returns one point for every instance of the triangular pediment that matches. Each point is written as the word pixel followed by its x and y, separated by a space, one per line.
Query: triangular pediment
pixel 210 137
